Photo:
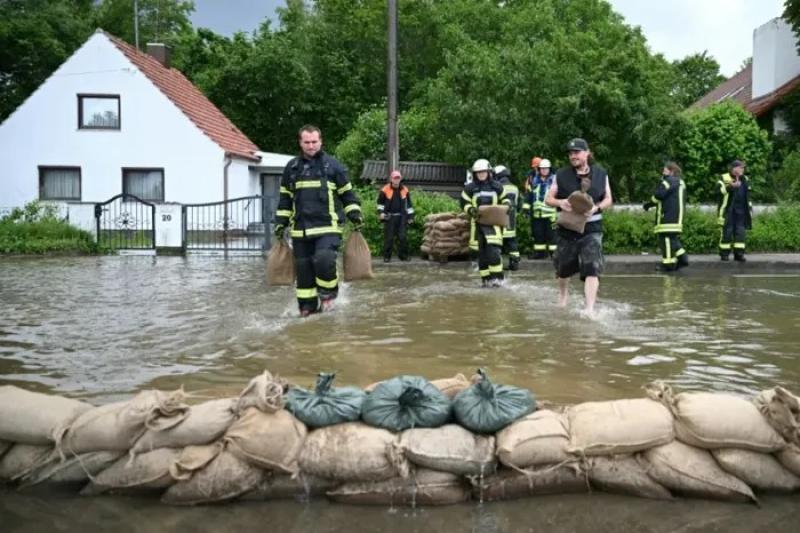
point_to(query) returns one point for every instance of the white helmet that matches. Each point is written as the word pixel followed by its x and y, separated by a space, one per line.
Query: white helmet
pixel 481 165
pixel 544 163
pixel 500 168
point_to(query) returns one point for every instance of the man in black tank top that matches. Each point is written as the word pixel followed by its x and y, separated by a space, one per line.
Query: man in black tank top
pixel 580 252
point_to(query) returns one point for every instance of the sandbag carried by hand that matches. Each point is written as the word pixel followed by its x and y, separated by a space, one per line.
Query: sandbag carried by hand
pixel 357 258
pixel 576 219
pixel 280 264
pixel 325 405
pixel 493 215
pixel 488 408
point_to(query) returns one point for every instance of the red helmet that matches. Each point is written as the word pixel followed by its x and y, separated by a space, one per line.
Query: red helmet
pixel 535 161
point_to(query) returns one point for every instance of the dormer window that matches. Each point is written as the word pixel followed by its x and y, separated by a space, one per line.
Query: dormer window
pixel 98 112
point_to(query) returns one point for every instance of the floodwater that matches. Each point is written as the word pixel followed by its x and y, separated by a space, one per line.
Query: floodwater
pixel 101 328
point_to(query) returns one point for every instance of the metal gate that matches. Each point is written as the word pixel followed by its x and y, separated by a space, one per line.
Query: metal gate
pixel 240 224
pixel 126 222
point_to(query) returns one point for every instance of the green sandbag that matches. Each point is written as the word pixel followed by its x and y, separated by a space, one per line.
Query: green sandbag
pixel 406 402
pixel 325 405
pixel 487 408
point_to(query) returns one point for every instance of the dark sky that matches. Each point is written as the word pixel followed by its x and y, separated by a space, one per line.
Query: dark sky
pixel 229 16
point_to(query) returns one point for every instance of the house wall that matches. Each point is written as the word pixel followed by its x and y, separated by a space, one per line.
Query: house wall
pixel 154 133
pixel 775 57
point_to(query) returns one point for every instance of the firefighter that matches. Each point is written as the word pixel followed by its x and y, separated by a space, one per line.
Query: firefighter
pixel 734 211
pixel 511 191
pixel 542 215
pixel 669 199
pixel 395 212
pixel 315 198
pixel 484 190
pixel 529 177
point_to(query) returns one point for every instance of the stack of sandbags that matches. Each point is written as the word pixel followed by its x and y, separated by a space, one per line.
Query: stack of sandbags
pixel 446 235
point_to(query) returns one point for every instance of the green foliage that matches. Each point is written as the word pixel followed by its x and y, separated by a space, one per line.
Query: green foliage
pixel 160 21
pixel 776 231
pixel 36 229
pixel 627 232
pixel 714 137
pixel 785 182
pixel 695 76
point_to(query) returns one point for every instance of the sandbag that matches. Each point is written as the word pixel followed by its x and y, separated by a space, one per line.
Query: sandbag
pixel 280 264
pixel 325 405
pixel 276 486
pixel 620 426
pixel 194 458
pixel 4 447
pixel 511 484
pixel 352 452
pixel 76 469
pixel 581 202
pixel 405 402
pixel 357 260
pixel 781 408
pixel 540 438
pixel 693 472
pixel 269 440
pixel 623 474
pixel 224 478
pixel 264 392
pixel 449 448
pixel 423 487
pixel 450 387
pixel 713 420
pixel 204 423
pixel 487 408
pixel 33 418
pixel 761 471
pixel 117 426
pixel 145 472
pixel 21 459
pixel 789 457
pixel 493 215
pixel 572 221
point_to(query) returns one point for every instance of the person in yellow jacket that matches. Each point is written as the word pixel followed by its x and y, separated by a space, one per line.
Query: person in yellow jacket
pixel 543 216
pixel 734 211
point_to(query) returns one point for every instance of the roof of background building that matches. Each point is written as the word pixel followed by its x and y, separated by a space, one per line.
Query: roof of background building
pixel 417 172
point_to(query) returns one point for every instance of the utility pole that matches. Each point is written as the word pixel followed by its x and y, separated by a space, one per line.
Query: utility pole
pixel 136 22
pixel 393 153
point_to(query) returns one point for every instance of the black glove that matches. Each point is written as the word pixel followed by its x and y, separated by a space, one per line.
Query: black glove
pixel 278 230
pixel 648 205
pixel 356 220
pixel 472 211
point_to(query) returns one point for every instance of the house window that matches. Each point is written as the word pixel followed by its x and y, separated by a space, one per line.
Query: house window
pixel 60 183
pixel 98 112
pixel 145 183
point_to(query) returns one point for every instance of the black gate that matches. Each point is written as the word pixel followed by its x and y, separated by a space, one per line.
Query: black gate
pixel 240 224
pixel 126 222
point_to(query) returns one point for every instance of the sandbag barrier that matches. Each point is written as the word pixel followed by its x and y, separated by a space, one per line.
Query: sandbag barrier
pixel 445 235
pixel 662 446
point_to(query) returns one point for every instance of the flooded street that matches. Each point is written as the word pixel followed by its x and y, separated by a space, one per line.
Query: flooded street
pixel 101 328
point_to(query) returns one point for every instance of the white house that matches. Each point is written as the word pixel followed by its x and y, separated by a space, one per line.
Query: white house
pixel 112 119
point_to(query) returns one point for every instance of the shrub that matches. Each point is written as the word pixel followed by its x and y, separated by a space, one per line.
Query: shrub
pixel 36 229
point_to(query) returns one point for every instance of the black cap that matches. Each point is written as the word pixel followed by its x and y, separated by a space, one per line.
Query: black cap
pixel 577 144
pixel 737 163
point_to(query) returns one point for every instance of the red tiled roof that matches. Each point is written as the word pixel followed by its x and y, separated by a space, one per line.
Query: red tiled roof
pixel 191 101
pixel 762 104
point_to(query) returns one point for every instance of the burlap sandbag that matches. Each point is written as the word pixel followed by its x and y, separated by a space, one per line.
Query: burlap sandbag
pixel 446 225
pixel 576 219
pixel 76 469
pixel 509 484
pixel 449 448
pixel 4 447
pixel 276 486
pixel 22 459
pixel 450 387
pixel 423 487
pixel 269 440
pixel 620 426
pixel 280 264
pixel 789 457
pixel 224 478
pixel 205 423
pixel 693 472
pixel 194 458
pixel 713 420
pixel 145 472
pixel 781 408
pixel 33 418
pixel 117 426
pixel 357 258
pixel 540 438
pixel 264 392
pixel 493 215
pixel 352 451
pixel 759 470
pixel 623 474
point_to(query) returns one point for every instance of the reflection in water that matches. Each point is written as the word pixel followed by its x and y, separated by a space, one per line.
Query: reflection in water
pixel 104 327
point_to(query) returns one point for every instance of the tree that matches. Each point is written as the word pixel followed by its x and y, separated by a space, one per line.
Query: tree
pixel 159 20
pixel 695 76
pixel 791 13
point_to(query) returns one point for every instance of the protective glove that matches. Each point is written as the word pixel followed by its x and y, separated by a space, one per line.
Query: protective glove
pixel 648 205
pixel 472 211
pixel 278 230
pixel 356 220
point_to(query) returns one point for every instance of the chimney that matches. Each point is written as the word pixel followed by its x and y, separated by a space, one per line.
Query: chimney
pixel 775 58
pixel 161 52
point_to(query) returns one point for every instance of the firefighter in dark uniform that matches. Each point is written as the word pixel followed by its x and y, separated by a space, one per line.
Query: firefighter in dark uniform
pixel 734 211
pixel 396 212
pixel 510 246
pixel 542 215
pixel 670 200
pixel 484 190
pixel 315 197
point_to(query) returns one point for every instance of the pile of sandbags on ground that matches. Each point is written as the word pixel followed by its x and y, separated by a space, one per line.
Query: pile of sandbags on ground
pixel 445 235
pixel 403 441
